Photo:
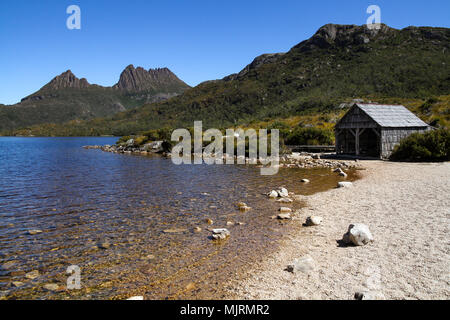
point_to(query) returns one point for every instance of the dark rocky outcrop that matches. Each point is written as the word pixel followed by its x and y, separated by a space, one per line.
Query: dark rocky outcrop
pixel 138 79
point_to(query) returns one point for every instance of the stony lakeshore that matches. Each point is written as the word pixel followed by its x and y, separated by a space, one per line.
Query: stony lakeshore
pixel 405 205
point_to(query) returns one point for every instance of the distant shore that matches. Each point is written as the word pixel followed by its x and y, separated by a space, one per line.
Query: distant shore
pixel 405 205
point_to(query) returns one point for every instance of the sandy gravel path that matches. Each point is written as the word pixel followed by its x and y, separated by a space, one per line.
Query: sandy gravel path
pixel 407 208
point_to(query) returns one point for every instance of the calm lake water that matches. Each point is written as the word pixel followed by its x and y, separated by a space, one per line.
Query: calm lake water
pixel 82 199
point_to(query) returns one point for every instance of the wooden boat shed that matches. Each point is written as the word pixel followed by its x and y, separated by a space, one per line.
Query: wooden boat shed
pixel 373 130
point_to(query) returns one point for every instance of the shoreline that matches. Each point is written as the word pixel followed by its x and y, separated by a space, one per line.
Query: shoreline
pixel 405 206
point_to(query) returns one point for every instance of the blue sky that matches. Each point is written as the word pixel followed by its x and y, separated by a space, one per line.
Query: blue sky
pixel 198 40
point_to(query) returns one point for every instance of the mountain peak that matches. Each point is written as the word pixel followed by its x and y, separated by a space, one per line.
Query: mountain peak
pixel 66 80
pixel 343 35
pixel 139 79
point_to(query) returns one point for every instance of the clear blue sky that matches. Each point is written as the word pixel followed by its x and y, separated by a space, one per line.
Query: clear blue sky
pixel 198 40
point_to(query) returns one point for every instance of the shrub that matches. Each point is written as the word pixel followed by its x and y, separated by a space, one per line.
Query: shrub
pixel 310 136
pixel 429 146
pixel 123 139
pixel 140 140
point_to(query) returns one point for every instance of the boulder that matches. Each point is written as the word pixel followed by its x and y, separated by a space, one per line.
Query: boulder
pixel 342 174
pixel 273 194
pixel 344 184
pixel 285 210
pixel 220 234
pixel 155 147
pixel 304 181
pixel 244 209
pixel 358 234
pixel 313 221
pixel 283 192
pixel 284 216
pixel 305 264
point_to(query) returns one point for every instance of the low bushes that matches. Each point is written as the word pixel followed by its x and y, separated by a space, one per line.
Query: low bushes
pixel 429 146
pixel 310 136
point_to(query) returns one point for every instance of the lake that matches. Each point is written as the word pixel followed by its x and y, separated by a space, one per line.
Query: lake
pixel 128 221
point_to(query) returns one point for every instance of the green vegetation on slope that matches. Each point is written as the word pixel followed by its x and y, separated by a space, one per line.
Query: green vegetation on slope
pixel 337 64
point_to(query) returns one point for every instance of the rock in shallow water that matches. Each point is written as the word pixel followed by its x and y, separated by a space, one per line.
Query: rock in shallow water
pixel 273 194
pixel 32 275
pixel 34 232
pixel 51 287
pixel 220 234
pixel 345 184
pixel 284 216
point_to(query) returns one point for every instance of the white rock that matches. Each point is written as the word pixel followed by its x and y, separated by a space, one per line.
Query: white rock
pixel 220 234
pixel 283 192
pixel 136 298
pixel 305 180
pixel 285 210
pixel 314 221
pixel 358 234
pixel 273 194
pixel 285 200
pixel 342 174
pixel 345 184
pixel 304 264
pixel 284 216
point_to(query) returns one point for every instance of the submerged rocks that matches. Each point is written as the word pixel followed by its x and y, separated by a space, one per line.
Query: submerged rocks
pixel 32 274
pixel 51 287
pixel 33 232
pixel 8 265
pixel 175 230
pixel 104 245
pixel 243 207
pixel 358 234
pixel 220 234
pixel 313 221
pixel 285 200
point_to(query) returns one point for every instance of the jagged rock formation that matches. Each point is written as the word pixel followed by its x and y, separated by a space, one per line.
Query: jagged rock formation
pixel 67 97
pixel 66 80
pixel 138 79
